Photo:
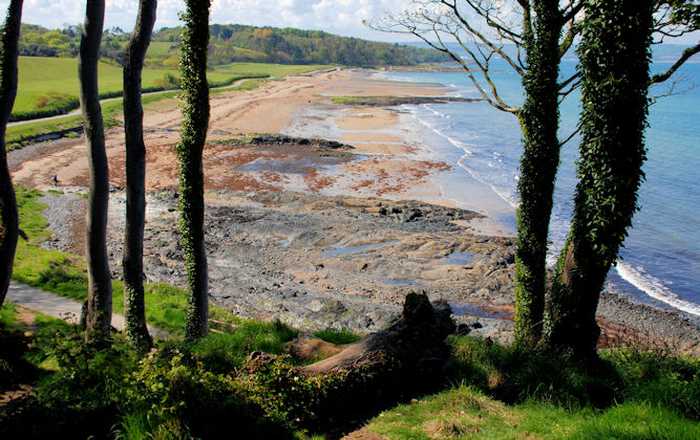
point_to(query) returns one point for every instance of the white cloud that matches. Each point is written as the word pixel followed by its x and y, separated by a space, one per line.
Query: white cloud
pixel 337 16
pixel 342 17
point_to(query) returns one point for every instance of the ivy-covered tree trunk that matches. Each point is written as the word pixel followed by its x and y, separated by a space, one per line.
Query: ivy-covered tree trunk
pixel 99 303
pixel 614 64
pixel 134 305
pixel 539 121
pixel 195 109
pixel 9 226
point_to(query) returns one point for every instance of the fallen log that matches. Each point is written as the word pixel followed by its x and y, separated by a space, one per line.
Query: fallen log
pixel 338 393
pixel 414 345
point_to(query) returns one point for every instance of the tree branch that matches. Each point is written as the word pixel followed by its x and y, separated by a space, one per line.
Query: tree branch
pixel 689 52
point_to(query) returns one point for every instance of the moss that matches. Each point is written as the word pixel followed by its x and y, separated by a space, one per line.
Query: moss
pixel 195 110
pixel 338 337
pixel 539 121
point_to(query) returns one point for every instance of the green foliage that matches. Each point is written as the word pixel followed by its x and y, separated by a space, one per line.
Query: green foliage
pixel 338 337
pixel 293 46
pixel 658 379
pixel 513 375
pixel 8 316
pixel 235 43
pixel 287 395
pixel 225 352
pixel 96 371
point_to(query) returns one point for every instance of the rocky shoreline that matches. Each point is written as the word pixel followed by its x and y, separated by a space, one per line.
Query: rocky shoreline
pixel 317 262
pixel 319 233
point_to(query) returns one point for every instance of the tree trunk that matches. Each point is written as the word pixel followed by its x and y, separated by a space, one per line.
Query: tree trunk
pixel 195 110
pixel 8 91
pixel 539 120
pixel 134 304
pixel 406 359
pixel 99 312
pixel 615 57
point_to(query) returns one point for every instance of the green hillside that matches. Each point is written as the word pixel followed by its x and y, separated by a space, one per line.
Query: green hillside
pixel 237 43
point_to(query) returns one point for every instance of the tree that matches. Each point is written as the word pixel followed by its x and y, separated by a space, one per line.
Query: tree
pixel 134 304
pixel 615 58
pixel 484 30
pixel 99 302
pixel 195 110
pixel 9 227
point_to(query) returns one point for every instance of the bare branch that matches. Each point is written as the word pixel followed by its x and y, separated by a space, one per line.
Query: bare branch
pixel 673 89
pixel 571 11
pixel 499 50
pixel 689 52
pixel 571 136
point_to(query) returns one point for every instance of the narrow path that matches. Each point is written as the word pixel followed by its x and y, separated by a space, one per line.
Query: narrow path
pixel 75 112
pixel 61 308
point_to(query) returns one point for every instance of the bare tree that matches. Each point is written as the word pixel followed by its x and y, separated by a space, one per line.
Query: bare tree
pixel 530 37
pixel 9 227
pixel 134 303
pixel 99 303
pixel 195 109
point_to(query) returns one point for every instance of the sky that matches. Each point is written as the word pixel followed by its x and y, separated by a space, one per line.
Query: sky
pixel 342 17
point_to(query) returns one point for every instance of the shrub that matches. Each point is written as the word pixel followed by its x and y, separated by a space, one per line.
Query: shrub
pixel 178 394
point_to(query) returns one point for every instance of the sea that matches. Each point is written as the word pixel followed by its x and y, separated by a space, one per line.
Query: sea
pixel 660 261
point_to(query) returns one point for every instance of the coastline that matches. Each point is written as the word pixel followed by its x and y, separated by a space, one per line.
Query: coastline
pixel 344 231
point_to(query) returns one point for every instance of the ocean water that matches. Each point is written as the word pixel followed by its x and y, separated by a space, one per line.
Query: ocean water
pixel 660 263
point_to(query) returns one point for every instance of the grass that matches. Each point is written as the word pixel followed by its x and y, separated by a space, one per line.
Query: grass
pixel 337 337
pixel 227 351
pixel 8 316
pixel 64 274
pixel 466 413
pixel 501 393
pixel 50 84
pixel 38 94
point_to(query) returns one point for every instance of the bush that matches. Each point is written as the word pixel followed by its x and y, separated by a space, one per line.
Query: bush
pixel 82 398
pixel 176 393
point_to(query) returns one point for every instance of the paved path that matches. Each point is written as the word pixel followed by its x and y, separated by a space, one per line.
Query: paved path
pixel 119 98
pixel 61 308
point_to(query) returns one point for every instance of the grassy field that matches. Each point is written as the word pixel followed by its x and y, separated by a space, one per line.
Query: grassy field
pixel 52 83
pixel 48 86
pixel 39 81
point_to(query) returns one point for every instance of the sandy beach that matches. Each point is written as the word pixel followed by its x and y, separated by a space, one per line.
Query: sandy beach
pixel 340 204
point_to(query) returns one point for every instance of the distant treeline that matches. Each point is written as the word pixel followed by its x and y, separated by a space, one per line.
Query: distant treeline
pixel 236 43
